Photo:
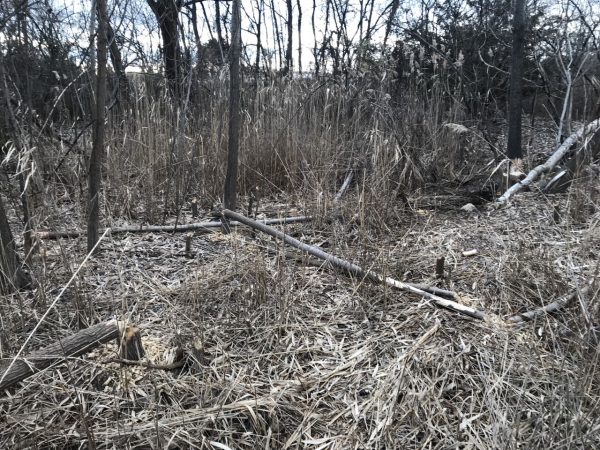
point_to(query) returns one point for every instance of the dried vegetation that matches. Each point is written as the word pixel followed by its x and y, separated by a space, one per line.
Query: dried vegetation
pixel 280 354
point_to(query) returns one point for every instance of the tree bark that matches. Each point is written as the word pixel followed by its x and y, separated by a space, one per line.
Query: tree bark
pixel 515 149
pixel 230 187
pixel 95 169
pixel 75 345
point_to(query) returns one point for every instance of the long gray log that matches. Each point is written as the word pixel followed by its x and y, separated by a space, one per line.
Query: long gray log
pixel 74 345
pixel 548 165
pixel 164 228
pixel 353 268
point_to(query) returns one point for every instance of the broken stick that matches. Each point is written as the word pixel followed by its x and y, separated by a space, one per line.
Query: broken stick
pixel 353 268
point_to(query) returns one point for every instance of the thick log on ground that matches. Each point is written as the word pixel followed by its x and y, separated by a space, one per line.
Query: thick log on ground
pixel 164 228
pixel 353 268
pixel 552 161
pixel 77 344
pixel 549 308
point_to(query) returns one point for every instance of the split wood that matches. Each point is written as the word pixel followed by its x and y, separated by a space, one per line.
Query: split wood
pixel 353 268
pixel 74 345
pixel 548 165
pixel 164 228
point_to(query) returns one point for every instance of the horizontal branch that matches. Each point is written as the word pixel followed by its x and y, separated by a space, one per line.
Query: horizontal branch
pixel 353 268
pixel 164 228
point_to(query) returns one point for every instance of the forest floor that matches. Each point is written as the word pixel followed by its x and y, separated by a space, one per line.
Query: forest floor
pixel 289 355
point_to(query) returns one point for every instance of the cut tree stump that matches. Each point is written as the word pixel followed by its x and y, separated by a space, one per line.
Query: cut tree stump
pixel 353 268
pixel 131 347
pixel 77 344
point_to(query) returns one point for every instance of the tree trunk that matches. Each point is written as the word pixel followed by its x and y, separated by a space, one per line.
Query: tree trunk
pixel 95 172
pixel 288 53
pixel 13 276
pixel 122 92
pixel 15 135
pixel 218 27
pixel 230 187
pixel 167 16
pixel 390 21
pixel 515 149
pixel 299 37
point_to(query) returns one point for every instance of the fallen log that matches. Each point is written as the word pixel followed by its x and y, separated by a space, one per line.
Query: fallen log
pixel 164 228
pixel 585 155
pixel 548 165
pixel 316 263
pixel 550 308
pixel 74 345
pixel 353 268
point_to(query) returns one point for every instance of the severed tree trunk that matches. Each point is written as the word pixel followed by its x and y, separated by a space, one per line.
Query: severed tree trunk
pixel 230 187
pixel 94 173
pixel 77 344
pixel 515 149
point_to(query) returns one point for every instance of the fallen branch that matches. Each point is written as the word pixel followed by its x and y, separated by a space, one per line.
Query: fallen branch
pixel 164 228
pixel 74 345
pixel 344 186
pixel 550 308
pixel 302 259
pixel 548 165
pixel 353 268
pixel 586 154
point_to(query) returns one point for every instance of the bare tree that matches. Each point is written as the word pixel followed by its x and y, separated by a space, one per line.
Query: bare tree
pixel 95 169
pixel 230 187
pixel 515 149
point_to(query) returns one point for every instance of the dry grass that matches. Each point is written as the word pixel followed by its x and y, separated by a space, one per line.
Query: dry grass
pixel 296 356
